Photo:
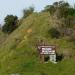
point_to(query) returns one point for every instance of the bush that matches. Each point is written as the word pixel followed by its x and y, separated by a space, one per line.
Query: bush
pixel 54 33
pixel 27 12
pixel 10 24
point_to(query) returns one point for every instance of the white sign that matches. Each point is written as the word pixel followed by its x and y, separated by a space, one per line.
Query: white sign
pixel 49 50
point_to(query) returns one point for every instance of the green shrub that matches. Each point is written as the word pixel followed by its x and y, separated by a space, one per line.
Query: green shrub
pixel 10 24
pixel 27 12
pixel 54 33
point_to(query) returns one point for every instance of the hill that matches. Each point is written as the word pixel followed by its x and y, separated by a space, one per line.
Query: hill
pixel 2 37
pixel 18 54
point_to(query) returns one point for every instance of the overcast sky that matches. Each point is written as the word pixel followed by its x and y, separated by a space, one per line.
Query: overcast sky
pixel 15 7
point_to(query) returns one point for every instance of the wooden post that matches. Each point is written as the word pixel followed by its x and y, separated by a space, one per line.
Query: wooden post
pixel 42 58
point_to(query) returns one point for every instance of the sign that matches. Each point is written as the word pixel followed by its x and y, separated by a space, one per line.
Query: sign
pixel 47 49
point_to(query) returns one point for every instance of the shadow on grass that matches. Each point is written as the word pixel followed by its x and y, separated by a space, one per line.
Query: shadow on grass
pixel 59 57
pixel 46 58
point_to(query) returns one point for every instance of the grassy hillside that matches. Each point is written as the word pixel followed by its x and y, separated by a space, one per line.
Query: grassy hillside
pixel 18 54
pixel 2 37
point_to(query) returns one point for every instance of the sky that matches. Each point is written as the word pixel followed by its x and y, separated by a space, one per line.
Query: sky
pixel 15 7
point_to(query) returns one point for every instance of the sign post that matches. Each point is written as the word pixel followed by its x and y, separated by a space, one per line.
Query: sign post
pixel 47 50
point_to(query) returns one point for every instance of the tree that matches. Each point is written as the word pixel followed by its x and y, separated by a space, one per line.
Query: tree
pixel 47 8
pixel 10 23
pixel 64 15
pixel 55 4
pixel 50 8
pixel 27 12
pixel 63 4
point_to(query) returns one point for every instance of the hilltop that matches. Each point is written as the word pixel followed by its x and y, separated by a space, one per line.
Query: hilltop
pixel 18 54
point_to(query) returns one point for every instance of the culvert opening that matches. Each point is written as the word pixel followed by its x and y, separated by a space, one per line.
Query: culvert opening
pixel 46 58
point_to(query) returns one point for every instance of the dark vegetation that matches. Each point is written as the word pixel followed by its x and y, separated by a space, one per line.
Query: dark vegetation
pixel 46 59
pixel 10 24
pixel 27 12
pixel 59 57
pixel 54 33
pixel 65 16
